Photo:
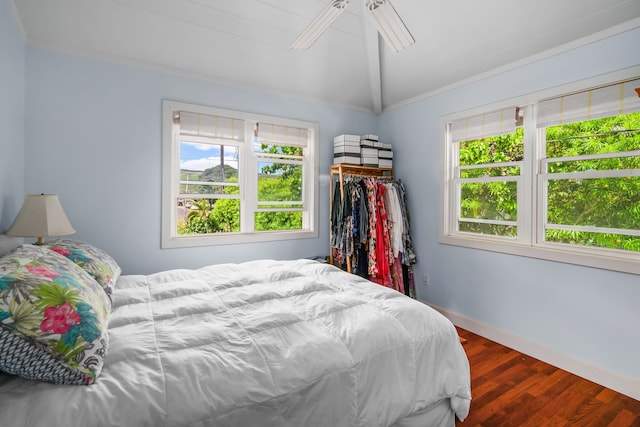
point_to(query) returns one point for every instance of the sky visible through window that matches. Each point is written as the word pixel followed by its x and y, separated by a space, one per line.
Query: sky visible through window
pixel 198 157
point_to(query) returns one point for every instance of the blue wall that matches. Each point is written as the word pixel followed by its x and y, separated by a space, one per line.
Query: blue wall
pixel 12 75
pixel 590 314
pixel 93 133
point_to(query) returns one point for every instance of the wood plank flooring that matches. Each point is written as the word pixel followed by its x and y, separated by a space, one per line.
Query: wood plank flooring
pixel 512 389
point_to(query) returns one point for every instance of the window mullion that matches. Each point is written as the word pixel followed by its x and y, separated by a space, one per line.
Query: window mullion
pixel 307 216
pixel 455 197
pixel 540 194
pixel 526 186
pixel 249 185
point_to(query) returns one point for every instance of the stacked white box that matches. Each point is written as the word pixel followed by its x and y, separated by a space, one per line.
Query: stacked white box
pixel 369 156
pixel 385 163
pixel 363 150
pixel 369 141
pixel 346 149
pixel 385 155
pixel 345 138
pixel 369 150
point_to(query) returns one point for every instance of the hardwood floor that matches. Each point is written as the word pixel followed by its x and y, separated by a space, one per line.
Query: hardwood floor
pixel 512 389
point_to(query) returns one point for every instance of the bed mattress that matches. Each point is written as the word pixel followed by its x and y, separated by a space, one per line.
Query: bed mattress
pixel 263 343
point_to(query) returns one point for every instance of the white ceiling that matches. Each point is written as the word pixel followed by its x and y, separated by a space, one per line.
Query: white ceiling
pixel 246 42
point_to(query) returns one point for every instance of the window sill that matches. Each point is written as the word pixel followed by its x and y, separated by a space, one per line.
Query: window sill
pixel 169 242
pixel 624 263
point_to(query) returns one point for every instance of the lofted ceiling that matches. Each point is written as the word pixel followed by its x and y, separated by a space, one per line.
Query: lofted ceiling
pixel 246 42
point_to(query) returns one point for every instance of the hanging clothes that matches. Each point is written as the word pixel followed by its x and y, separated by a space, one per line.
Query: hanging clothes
pixel 370 227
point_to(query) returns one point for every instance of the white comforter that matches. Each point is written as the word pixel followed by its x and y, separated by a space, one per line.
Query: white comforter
pixel 264 343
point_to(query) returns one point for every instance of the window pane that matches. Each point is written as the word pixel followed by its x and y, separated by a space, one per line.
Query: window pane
pixel 497 149
pixel 490 172
pixel 489 200
pixel 490 229
pixel 608 203
pixel 270 221
pixel 601 240
pixel 277 149
pixel 607 135
pixel 603 202
pixel 204 166
pixel 205 216
pixel 279 182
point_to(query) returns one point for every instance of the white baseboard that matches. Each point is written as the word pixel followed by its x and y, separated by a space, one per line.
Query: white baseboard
pixel 612 380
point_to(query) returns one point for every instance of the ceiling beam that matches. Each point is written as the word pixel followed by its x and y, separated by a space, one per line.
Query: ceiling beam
pixel 372 48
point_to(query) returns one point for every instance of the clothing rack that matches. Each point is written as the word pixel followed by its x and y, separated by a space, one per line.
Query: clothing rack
pixel 366 171
pixel 339 171
pixel 370 227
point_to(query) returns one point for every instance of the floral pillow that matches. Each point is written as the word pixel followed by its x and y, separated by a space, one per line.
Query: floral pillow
pixel 53 318
pixel 100 265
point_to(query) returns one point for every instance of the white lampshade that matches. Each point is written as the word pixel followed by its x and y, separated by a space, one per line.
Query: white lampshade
pixel 41 216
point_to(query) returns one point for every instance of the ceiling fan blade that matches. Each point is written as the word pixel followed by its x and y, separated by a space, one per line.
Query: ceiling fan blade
pixel 320 24
pixel 390 25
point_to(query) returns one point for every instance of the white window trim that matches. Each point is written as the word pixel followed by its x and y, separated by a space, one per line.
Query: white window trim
pixel 530 208
pixel 170 187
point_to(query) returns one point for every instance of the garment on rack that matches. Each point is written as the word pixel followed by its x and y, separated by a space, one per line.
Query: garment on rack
pixel 370 228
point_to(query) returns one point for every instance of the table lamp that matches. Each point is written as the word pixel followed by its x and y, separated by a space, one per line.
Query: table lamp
pixel 41 216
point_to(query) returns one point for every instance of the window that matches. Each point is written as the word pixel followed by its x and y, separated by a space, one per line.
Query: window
pixel 233 177
pixel 556 178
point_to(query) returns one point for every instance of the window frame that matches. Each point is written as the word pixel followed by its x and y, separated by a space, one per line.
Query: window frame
pixel 531 204
pixel 247 179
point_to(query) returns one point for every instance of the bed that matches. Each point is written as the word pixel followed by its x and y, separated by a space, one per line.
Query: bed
pixel 261 343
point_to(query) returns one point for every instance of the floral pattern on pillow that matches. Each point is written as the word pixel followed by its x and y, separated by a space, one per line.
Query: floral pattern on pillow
pixel 100 265
pixel 53 318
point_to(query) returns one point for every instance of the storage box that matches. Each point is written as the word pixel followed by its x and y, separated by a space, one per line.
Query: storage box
pixel 346 149
pixel 347 159
pixel 385 154
pixel 369 137
pixel 345 137
pixel 368 152
pixel 385 163
pixel 368 143
pixel 369 161
pixel 353 144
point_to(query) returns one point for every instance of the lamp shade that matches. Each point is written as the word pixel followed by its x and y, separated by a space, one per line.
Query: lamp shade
pixel 41 216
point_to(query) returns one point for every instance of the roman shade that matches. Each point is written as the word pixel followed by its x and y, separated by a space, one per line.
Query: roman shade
pixel 197 124
pixel 484 125
pixel 605 101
